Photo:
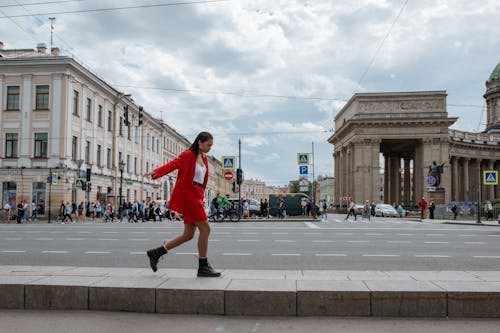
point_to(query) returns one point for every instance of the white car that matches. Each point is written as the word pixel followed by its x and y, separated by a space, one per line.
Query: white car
pixel 385 210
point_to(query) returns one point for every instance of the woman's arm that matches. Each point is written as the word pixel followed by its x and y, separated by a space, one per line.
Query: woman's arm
pixel 168 167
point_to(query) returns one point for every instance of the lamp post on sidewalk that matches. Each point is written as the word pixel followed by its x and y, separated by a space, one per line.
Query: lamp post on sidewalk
pixel 121 165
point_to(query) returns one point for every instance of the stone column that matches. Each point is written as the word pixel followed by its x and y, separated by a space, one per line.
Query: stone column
pixel 454 177
pixel 56 133
pixel 465 183
pixel 375 170
pixel 418 175
pixel 406 185
pixel 386 178
pixel 395 179
pixel 489 189
pixel 476 180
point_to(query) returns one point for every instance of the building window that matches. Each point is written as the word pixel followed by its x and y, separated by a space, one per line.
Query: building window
pixel 76 101
pixel 89 109
pixel 74 148
pixel 119 156
pixel 128 163
pixel 135 165
pixel 41 145
pixel 147 140
pixel 121 127
pixel 13 97
pixel 128 133
pixel 147 166
pixel 157 145
pixel 99 116
pixel 110 123
pixel 99 155
pixel 153 143
pixel 136 134
pixel 108 158
pixel 11 145
pixel 42 98
pixel 87 152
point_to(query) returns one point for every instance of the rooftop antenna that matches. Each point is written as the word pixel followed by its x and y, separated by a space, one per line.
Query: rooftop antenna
pixel 52 19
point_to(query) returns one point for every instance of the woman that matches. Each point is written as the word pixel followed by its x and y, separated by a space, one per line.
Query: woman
pixel 187 198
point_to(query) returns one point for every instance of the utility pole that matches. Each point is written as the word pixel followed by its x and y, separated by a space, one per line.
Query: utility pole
pixel 313 186
pixel 239 185
pixel 479 193
pixel 50 192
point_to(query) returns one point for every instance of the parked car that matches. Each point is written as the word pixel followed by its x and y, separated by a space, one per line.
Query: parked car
pixel 254 205
pixel 385 210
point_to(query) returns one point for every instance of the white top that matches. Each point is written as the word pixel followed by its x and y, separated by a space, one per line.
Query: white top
pixel 199 173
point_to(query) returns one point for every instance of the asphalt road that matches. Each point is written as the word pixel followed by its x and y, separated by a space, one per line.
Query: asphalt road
pixel 386 244
pixel 27 321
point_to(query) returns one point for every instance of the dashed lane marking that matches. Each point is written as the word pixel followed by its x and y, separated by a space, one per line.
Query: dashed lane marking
pixel 431 256
pixel 487 257
pixel 12 251
pixel 475 243
pixel 13 238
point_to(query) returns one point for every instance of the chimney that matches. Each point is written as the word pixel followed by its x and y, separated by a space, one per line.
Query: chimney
pixel 1 45
pixel 41 48
pixel 55 51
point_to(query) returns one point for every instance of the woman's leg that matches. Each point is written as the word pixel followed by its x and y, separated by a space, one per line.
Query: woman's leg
pixel 204 229
pixel 187 235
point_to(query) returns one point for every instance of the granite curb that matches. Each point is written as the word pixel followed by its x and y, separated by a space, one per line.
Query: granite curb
pixel 262 293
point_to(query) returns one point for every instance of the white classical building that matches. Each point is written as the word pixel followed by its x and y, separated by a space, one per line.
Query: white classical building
pixel 59 119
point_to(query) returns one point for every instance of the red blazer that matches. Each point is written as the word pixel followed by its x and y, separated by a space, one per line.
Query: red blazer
pixel 185 163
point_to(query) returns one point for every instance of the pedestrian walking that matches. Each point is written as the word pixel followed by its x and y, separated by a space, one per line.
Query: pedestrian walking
pixel 432 208
pixel 33 210
pixel 20 212
pixel 7 210
pixel 366 210
pixel 266 208
pixel 454 210
pixel 488 209
pixel 351 210
pixel 25 210
pixel 188 198
pixel 422 204
pixel 67 212
pixel 372 210
pixel 324 211
pixel 80 211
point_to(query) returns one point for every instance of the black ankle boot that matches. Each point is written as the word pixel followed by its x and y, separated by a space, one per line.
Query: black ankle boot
pixel 205 270
pixel 154 255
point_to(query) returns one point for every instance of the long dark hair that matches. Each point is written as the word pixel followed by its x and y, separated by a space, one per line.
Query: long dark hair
pixel 202 137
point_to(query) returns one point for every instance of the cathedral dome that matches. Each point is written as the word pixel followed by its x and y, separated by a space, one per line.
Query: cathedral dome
pixel 493 82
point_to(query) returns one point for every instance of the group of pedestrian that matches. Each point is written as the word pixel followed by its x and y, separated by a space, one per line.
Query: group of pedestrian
pixel 21 211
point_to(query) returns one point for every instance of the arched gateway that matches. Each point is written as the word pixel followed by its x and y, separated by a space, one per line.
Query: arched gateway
pixel 407 132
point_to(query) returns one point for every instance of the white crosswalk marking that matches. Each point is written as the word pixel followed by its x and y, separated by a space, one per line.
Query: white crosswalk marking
pixel 312 225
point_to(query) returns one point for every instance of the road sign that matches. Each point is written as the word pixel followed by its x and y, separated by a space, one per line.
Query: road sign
pixel 304 170
pixel 303 158
pixel 304 182
pixel 55 177
pixel 228 162
pixel 304 188
pixel 228 175
pixel 431 181
pixel 490 177
pixel 79 183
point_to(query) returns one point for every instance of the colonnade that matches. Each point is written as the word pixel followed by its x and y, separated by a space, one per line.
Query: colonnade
pixel 467 175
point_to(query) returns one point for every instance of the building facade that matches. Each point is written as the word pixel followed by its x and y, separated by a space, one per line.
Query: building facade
pixel 60 120
pixel 409 132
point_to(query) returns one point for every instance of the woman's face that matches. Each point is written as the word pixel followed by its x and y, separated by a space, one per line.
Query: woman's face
pixel 206 146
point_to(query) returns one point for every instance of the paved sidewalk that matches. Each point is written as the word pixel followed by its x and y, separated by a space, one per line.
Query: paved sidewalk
pixel 254 292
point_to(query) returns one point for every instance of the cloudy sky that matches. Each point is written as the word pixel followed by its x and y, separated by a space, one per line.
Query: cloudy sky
pixel 273 73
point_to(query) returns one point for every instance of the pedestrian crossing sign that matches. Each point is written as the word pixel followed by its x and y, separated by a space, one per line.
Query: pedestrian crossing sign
pixel 79 182
pixel 490 177
pixel 303 158
pixel 228 162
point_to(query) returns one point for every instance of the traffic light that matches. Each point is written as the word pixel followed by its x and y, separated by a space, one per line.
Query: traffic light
pixel 49 179
pixel 89 172
pixel 239 176
pixel 89 187
pixel 234 186
pixel 141 111
pixel 125 116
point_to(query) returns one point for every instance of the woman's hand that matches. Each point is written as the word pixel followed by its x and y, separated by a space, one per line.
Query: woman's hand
pixel 151 174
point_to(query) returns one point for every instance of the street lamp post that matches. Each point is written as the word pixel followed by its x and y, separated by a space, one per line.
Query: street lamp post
pixel 121 165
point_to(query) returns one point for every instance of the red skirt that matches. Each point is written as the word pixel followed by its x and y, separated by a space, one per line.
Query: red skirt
pixel 194 208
